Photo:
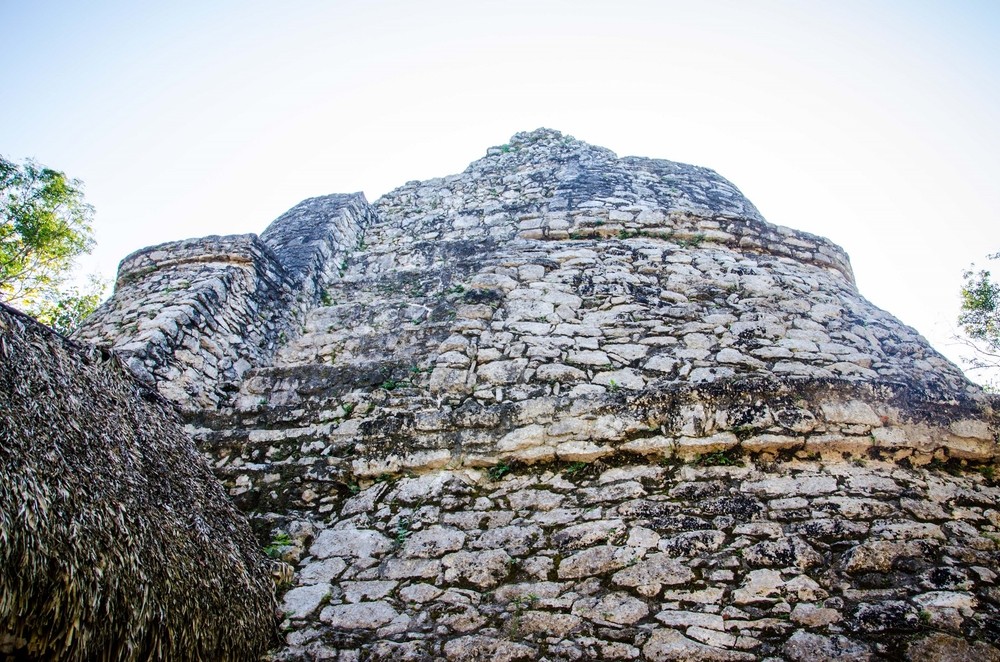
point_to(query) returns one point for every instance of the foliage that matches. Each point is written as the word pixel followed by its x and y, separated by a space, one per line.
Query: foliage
pixel 277 545
pixel 45 224
pixel 980 317
pixel 66 309
pixel 402 530
pixel 498 471
pixel 719 459
pixel 391 384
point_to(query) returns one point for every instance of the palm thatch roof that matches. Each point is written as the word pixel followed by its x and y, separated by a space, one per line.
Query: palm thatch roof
pixel 116 541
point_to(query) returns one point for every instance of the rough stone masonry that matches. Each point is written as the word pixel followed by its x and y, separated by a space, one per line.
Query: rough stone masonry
pixel 570 406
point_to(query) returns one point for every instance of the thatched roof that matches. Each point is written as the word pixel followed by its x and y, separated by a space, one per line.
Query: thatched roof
pixel 116 541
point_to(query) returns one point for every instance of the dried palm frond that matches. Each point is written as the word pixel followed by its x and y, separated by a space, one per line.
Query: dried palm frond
pixel 116 541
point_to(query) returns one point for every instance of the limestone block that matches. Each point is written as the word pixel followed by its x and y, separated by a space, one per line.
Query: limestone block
pixel 317 572
pixel 853 412
pixel 971 428
pixel 711 637
pixel 349 543
pixel 302 601
pixel 652 573
pixel 594 561
pixel 534 499
pixel 612 608
pixel 450 380
pixel 656 445
pixel 367 590
pixel 802 588
pixel 419 593
pixel 412 568
pixel 587 534
pixel 686 619
pixel 627 378
pixel 771 443
pixel 811 616
pixel 581 451
pixel 543 622
pixel 879 556
pixel 941 647
pixel 886 615
pixel 782 553
pixel 963 602
pixel 483 569
pixel 808 647
pixel 690 447
pixel 493 281
pixel 517 541
pixel 361 616
pixel 838 443
pixel 529 436
pixel 759 586
pixel 692 543
pixel 610 493
pixel 788 485
pixel 502 372
pixel 557 372
pixel 972 448
pixel 666 645
pixel 541 590
pixel 588 358
pixel 486 648
pixel 433 542
pixel 905 530
pixel 708 375
pixel 730 355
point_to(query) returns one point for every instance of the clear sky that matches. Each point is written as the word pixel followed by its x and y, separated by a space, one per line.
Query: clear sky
pixel 873 123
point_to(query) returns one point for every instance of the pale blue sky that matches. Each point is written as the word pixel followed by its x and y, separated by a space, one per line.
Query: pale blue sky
pixel 872 123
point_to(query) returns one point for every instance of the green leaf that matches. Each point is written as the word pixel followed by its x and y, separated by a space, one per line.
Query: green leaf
pixel 45 224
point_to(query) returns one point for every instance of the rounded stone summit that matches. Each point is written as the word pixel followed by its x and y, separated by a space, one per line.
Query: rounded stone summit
pixel 569 405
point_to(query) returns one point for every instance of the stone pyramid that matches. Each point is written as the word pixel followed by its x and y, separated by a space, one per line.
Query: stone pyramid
pixel 566 405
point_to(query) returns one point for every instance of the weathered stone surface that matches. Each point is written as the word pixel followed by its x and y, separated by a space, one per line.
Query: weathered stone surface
pixel 614 608
pixel 367 590
pixel 589 533
pixel 652 573
pixel 364 615
pixel 486 649
pixel 940 647
pixel 667 645
pixel 759 585
pixel 547 623
pixel 303 601
pixel 595 561
pixel 813 616
pixel 808 647
pixel 565 405
pixel 782 553
pixel 321 571
pixel 879 556
pixel 885 615
pixel 484 569
pixel 433 542
pixel 349 542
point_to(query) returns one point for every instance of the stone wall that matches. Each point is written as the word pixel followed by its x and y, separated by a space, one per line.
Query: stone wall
pixel 798 560
pixel 565 405
pixel 193 316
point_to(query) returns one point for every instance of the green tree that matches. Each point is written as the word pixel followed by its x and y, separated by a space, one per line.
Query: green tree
pixel 45 224
pixel 980 316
